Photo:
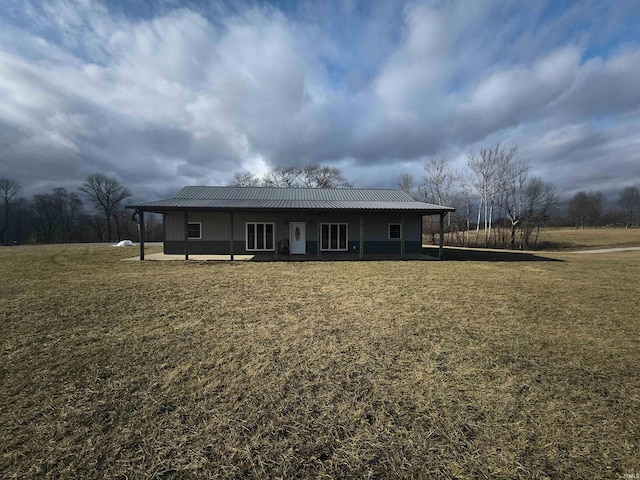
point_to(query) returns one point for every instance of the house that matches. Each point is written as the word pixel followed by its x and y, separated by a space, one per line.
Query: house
pixel 230 220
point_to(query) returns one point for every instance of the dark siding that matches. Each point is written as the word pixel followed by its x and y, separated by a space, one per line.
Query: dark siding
pixel 215 231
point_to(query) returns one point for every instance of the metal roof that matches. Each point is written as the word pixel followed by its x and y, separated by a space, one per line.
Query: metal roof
pixel 274 199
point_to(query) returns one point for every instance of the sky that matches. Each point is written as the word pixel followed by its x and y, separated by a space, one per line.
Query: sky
pixel 162 94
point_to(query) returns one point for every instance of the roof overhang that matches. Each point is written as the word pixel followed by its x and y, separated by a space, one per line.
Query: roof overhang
pixel 174 205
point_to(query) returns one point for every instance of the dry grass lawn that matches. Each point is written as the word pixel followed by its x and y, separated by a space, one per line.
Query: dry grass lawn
pixel 455 369
pixel 592 238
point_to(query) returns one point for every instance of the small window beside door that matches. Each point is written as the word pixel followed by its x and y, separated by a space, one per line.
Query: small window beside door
pixel 395 231
pixel 194 230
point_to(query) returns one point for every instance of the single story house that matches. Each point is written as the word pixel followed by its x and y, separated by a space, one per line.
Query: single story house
pixel 206 220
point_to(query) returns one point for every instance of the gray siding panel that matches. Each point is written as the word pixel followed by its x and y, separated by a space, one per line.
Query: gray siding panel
pixel 216 231
pixel 173 226
pixel 215 226
pixel 204 247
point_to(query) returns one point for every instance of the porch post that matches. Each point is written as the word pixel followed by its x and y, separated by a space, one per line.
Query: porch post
pixel 402 237
pixel 441 249
pixel 186 235
pixel 275 240
pixel 361 252
pixel 319 236
pixel 141 232
pixel 231 240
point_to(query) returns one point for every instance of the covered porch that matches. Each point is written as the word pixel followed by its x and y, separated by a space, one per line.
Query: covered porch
pixel 358 251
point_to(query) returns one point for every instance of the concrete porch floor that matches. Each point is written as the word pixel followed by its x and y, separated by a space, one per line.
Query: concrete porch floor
pixel 262 257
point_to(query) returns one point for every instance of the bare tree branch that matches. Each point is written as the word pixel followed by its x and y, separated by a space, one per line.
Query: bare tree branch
pixel 106 194
pixel 405 182
pixel 630 202
pixel 244 178
pixel 9 191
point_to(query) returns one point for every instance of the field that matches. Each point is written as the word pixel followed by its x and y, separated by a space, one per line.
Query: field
pixel 493 368
pixel 604 237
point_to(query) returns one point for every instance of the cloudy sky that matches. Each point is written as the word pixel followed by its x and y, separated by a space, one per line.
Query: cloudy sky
pixel 163 94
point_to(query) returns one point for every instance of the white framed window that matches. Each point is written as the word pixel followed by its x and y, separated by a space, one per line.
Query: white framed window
pixel 395 231
pixel 260 236
pixel 194 230
pixel 333 236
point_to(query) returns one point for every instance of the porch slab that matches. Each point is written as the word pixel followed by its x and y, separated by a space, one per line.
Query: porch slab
pixel 201 258
pixel 283 258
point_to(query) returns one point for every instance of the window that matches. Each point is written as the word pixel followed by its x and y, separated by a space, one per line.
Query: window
pixel 394 231
pixel 260 236
pixel 194 230
pixel 333 236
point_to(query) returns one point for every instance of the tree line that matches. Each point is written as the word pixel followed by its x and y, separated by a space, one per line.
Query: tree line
pixel 498 203
pixel 95 213
pixel 587 209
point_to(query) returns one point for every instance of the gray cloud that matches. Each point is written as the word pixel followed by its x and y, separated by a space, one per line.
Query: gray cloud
pixel 190 95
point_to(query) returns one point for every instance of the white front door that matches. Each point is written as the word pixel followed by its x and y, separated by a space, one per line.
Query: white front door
pixel 297 238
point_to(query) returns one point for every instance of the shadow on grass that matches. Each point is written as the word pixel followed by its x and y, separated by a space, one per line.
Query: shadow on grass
pixel 428 254
pixel 481 255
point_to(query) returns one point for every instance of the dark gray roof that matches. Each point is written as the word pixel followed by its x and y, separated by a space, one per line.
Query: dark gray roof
pixel 273 198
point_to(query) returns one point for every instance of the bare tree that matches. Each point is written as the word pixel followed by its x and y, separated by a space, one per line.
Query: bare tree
pixel 438 186
pixel 585 209
pixel 466 195
pixel 98 225
pixel 629 201
pixel 489 170
pixel 46 207
pixel 539 199
pixel 22 220
pixel 9 192
pixel 106 194
pixel 579 209
pixel 406 183
pixel 512 200
pixel 323 176
pixel 244 178
pixel 484 173
pixel 597 202
pixel 439 181
pixel 70 207
pixel 281 177
pixel 311 176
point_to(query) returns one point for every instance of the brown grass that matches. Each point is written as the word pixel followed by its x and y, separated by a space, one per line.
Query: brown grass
pixel 487 369
pixel 593 238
